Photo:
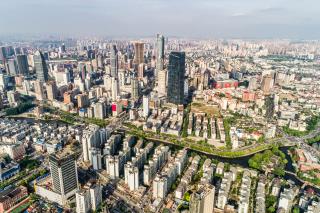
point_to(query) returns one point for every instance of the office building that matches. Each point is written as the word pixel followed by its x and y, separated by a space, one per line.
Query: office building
pixel 22 65
pixel 3 54
pixel 114 88
pixel 52 91
pixel 146 107
pixel 78 82
pixel 3 81
pixel 63 167
pixel 138 53
pixel 67 97
pixel 160 52
pixel 162 82
pixel 107 82
pixel 134 88
pixel 114 61
pixel 99 110
pixel 82 100
pixel 252 83
pixel 38 88
pixel 176 76
pixel 62 48
pixel 140 71
pixel 266 84
pixel 12 67
pixel 40 66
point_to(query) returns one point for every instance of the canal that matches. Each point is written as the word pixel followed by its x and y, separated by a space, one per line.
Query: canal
pixel 237 161
pixel 244 162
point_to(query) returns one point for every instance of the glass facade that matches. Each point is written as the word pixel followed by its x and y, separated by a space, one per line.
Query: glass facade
pixel 176 75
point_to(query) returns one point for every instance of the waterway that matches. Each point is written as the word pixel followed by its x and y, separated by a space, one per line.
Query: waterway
pixel 244 163
pixel 238 161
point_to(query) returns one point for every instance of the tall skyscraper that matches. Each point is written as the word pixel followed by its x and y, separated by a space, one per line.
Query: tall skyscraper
pixel 99 110
pixel 140 71
pixel 145 106
pixel 138 53
pixel 3 54
pixel 252 83
pixel 18 51
pixel 162 82
pixel 3 81
pixel 134 88
pixel 40 66
pixel 114 88
pixel 62 48
pixel 202 201
pixel 160 52
pixel 1 103
pixel 12 67
pixel 83 100
pixel 176 76
pixel 22 64
pixel 266 84
pixel 114 61
pixel 52 90
pixel 63 167
pixel 38 88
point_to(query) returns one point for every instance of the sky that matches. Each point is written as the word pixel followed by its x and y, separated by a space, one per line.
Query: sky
pixel 295 19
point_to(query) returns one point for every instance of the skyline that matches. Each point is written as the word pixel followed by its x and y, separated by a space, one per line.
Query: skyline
pixel 195 19
pixel 162 112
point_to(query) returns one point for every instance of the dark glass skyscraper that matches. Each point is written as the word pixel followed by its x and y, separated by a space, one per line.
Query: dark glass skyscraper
pixel 3 54
pixel 114 61
pixel 176 75
pixel 160 52
pixel 40 66
pixel 22 64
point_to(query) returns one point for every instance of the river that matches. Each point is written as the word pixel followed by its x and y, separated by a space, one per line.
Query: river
pixel 244 163
pixel 240 161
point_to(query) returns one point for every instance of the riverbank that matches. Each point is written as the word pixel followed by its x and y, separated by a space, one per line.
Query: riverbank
pixel 242 161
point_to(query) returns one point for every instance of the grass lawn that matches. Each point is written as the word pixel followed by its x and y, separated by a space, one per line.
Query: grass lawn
pixel 21 208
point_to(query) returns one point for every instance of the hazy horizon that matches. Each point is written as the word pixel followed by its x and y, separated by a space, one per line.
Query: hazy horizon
pixel 288 19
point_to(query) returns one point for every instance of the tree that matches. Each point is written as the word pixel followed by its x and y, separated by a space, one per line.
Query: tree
pixel 279 171
pixel 270 201
pixel 271 209
pixel 186 197
pixel 34 197
pixel 296 210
